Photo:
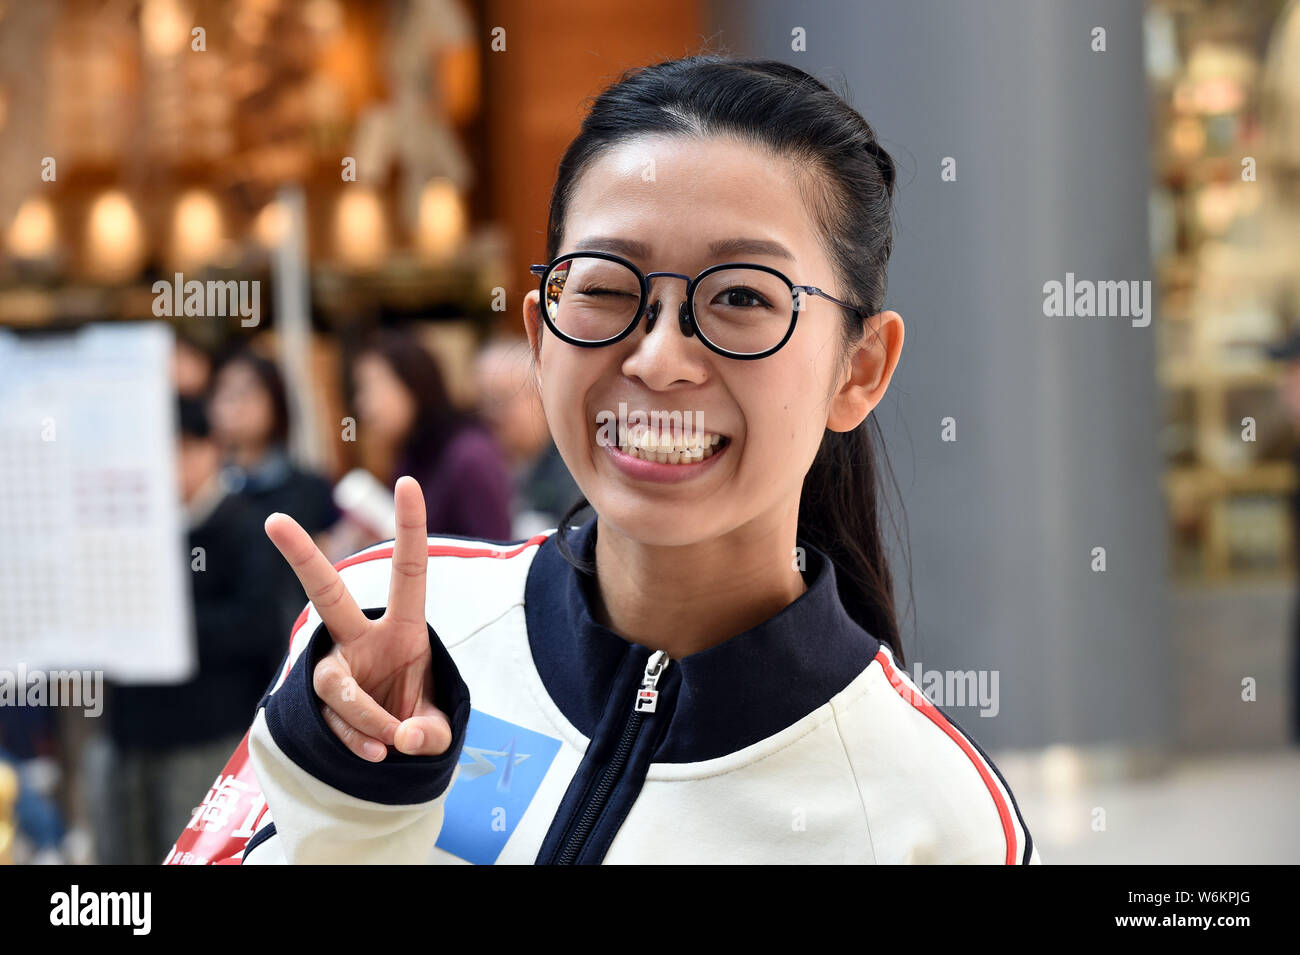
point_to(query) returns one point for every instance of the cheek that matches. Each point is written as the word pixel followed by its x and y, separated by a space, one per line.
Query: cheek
pixel 263 414
pixel 562 405
pixel 565 387
pixel 784 412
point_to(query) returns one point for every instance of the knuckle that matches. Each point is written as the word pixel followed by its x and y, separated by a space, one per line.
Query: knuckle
pixel 327 676
pixel 410 567
pixel 332 593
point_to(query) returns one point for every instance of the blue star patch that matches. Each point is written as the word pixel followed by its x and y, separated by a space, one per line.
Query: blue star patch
pixel 501 768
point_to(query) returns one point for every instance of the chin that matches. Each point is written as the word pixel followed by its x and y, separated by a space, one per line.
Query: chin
pixel 654 523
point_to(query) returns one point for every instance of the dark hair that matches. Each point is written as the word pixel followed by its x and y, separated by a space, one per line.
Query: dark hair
pixel 850 193
pixel 192 418
pixel 268 376
pixel 437 420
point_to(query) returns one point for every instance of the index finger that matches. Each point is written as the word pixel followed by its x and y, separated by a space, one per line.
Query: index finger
pixel 406 588
pixel 321 582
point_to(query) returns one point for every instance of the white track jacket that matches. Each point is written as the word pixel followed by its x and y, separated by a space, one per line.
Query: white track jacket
pixel 798 741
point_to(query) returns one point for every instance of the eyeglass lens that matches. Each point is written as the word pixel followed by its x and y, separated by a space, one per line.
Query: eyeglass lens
pixel 741 310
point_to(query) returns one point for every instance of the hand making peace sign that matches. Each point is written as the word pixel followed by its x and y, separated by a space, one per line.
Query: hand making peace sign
pixel 377 683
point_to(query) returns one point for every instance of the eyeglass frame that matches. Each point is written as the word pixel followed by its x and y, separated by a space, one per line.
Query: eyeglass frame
pixel 686 311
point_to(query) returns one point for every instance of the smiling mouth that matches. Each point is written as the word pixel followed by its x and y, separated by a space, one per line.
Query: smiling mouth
pixel 667 448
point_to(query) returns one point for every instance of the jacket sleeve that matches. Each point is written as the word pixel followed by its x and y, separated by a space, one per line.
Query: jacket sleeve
pixel 328 804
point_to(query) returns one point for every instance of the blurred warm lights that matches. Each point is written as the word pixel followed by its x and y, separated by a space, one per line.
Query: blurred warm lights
pixel 360 229
pixel 165 25
pixel 197 231
pixel 441 225
pixel 34 232
pixel 115 244
pixel 272 224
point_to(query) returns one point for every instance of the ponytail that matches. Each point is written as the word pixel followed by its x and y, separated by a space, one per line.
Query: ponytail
pixel 839 515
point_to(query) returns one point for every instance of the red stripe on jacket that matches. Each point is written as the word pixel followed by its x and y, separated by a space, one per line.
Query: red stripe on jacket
pixel 435 550
pixel 937 718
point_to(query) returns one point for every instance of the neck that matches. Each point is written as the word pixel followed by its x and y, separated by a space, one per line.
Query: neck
pixel 688 598
pixel 249 456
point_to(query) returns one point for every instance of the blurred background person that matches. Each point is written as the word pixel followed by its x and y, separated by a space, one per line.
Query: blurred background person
pixel 402 405
pixel 508 401
pixel 171 740
pixel 191 367
pixel 249 409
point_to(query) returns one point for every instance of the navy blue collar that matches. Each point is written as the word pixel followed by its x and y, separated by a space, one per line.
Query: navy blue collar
pixel 723 698
pixel 273 470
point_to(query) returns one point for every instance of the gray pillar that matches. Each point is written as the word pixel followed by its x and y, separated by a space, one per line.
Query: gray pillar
pixel 1056 418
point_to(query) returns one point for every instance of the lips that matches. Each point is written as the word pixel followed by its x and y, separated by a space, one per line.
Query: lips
pixel 670 442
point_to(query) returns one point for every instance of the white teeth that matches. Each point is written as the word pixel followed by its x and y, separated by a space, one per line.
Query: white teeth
pixel 663 450
pixel 666 447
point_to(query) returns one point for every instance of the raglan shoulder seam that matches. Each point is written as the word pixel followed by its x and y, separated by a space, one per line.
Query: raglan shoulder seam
pixel 975 757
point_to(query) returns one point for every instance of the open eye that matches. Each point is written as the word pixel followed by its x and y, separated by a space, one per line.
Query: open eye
pixel 739 296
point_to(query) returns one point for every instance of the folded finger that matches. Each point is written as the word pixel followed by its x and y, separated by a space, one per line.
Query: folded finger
pixel 367 747
pixel 337 688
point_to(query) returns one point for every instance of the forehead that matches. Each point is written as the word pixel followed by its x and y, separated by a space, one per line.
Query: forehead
pixel 677 198
pixel 236 373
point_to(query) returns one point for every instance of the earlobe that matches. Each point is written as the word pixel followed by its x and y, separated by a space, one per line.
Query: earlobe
pixel 871 366
pixel 533 328
pixel 533 322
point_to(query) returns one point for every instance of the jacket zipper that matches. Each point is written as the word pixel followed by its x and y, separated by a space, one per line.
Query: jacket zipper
pixel 647 698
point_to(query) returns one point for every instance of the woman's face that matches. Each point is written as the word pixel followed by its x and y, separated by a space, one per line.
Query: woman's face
pixel 674 196
pixel 385 406
pixel 241 409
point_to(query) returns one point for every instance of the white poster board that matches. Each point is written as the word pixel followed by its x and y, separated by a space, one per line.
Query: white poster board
pixel 93 565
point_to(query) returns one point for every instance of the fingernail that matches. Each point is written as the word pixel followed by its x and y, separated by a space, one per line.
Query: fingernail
pixel 373 750
pixel 414 738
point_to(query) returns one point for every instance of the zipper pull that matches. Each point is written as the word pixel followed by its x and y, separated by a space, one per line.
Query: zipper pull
pixel 647 698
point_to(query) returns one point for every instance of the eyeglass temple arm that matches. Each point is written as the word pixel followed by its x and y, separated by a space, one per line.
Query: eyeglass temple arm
pixel 814 290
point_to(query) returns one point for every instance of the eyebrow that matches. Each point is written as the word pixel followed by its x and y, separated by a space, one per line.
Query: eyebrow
pixel 718 249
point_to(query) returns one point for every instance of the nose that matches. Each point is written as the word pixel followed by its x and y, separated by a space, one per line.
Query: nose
pixel 666 360
pixel 683 318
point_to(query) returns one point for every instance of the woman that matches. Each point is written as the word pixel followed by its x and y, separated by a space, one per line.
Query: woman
pixel 249 408
pixel 401 403
pixel 725 683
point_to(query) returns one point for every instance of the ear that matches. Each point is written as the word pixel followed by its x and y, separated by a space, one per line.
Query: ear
pixel 871 365
pixel 533 328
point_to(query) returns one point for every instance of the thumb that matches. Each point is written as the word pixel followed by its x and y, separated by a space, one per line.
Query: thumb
pixel 425 733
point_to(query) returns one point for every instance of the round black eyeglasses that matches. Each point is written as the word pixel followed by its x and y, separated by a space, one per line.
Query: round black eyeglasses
pixel 738 309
